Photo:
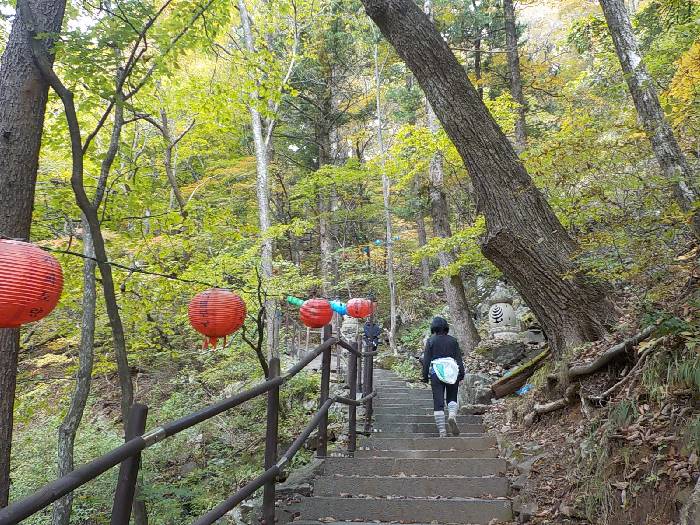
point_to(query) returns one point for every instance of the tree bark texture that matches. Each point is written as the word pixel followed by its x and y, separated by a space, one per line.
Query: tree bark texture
pixel 524 238
pixel 460 312
pixel 23 95
pixel 516 82
pixel 69 426
pixel 663 142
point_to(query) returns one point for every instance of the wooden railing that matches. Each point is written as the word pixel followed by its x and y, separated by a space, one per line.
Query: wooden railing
pixel 128 455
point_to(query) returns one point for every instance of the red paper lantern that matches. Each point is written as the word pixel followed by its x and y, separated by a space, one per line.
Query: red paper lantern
pixel 216 313
pixel 316 313
pixel 31 282
pixel 360 308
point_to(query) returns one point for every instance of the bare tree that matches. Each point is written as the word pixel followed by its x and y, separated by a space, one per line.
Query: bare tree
pixel 262 139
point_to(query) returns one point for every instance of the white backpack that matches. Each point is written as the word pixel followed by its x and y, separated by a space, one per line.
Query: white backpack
pixel 446 369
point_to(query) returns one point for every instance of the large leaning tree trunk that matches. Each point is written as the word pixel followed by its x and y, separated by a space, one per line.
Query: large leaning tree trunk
pixel 516 82
pixel 460 313
pixel 23 95
pixel 524 238
pixel 666 149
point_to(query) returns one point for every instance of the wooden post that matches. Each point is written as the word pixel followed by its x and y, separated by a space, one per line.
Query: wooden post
pixel 271 439
pixel 322 450
pixel 129 468
pixel 367 389
pixel 360 339
pixel 338 349
pixel 352 409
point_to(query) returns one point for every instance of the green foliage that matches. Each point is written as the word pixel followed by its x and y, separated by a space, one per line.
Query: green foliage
pixel 408 369
pixel 622 414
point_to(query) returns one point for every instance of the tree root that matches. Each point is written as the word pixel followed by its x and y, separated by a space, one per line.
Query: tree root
pixel 581 370
pixel 642 358
pixel 607 357
pixel 546 408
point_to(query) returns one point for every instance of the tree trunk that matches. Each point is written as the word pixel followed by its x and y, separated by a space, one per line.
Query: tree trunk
pixel 90 212
pixel 516 83
pixel 386 193
pixel 170 144
pixel 23 95
pixel 460 312
pixel 9 353
pixel 325 242
pixel 262 155
pixel 478 30
pixel 422 241
pixel 666 149
pixel 325 228
pixel 69 427
pixel 524 238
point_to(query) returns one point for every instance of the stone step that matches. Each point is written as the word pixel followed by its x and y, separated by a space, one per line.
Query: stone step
pixel 414 467
pixel 419 428
pixel 395 398
pixel 420 487
pixel 305 522
pixel 459 511
pixel 388 389
pixel 417 454
pixel 400 406
pixel 380 441
pixel 433 434
pixel 384 411
pixel 426 418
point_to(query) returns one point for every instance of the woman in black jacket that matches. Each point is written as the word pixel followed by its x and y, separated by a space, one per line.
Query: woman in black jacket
pixel 441 345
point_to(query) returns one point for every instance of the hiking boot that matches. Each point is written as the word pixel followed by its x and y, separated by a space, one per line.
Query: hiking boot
pixel 452 423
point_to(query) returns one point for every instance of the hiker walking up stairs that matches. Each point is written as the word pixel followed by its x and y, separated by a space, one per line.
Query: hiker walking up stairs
pixel 406 473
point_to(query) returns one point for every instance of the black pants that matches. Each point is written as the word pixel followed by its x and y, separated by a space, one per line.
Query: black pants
pixel 439 390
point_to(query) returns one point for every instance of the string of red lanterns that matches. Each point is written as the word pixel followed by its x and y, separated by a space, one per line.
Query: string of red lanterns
pixel 31 282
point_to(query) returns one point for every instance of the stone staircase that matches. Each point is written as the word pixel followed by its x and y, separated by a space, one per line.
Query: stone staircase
pixel 405 473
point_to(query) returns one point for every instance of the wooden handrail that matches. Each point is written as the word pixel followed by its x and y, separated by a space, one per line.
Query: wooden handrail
pixel 129 452
pixel 272 473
